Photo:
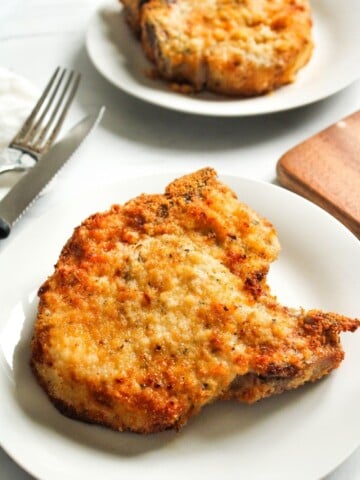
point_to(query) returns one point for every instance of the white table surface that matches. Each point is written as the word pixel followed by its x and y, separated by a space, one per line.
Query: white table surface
pixel 136 138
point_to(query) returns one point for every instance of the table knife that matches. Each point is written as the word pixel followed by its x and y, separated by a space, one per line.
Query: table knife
pixel 27 189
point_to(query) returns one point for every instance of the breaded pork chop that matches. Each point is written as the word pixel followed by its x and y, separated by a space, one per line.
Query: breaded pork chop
pixel 230 47
pixel 86 305
pixel 150 314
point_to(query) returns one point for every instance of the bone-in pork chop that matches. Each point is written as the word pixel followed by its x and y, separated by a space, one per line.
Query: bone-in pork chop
pixel 159 307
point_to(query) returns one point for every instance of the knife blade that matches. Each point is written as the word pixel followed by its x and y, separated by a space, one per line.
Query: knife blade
pixel 27 189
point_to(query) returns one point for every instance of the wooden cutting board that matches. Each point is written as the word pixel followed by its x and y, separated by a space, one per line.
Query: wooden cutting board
pixel 326 170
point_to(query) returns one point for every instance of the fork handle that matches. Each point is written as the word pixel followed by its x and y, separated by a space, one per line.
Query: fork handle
pixel 14 159
pixel 4 228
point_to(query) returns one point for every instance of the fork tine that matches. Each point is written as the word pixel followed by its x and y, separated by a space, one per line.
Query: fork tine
pixel 43 125
pixel 60 110
pixel 29 121
pixel 47 104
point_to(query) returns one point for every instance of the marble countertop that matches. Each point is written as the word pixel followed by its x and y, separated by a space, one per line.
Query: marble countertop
pixel 136 138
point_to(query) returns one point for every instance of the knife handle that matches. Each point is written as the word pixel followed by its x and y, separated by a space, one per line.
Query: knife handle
pixel 4 228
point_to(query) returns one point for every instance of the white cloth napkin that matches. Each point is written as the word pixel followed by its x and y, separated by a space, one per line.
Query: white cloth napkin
pixel 17 97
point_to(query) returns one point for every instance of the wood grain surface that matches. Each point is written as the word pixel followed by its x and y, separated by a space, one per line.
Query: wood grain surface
pixel 326 170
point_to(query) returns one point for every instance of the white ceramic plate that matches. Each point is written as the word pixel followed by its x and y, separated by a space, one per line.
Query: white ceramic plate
pixel 335 63
pixel 297 435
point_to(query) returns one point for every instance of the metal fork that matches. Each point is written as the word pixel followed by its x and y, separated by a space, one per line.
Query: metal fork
pixel 42 127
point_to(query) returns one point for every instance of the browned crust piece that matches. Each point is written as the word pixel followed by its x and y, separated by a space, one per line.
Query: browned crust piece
pixel 132 10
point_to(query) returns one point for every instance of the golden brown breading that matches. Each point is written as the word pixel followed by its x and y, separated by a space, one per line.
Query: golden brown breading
pixel 210 214
pixel 132 9
pixel 132 335
pixel 225 46
pixel 160 306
